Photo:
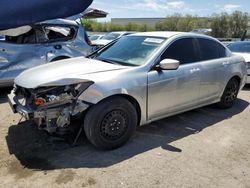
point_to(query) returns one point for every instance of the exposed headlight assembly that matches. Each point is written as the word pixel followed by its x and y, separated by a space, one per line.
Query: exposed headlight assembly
pixel 51 97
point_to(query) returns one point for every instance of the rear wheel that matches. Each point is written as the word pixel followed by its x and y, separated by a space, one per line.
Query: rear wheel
pixel 230 94
pixel 111 123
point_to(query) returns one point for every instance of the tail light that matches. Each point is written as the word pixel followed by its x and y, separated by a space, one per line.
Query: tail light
pixel 89 42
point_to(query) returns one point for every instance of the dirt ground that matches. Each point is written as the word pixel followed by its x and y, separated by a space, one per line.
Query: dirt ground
pixel 206 147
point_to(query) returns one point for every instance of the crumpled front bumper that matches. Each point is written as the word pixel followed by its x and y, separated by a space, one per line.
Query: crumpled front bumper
pixel 29 114
pixel 19 108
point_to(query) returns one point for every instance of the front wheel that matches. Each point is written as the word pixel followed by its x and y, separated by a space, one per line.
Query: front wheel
pixel 111 123
pixel 230 94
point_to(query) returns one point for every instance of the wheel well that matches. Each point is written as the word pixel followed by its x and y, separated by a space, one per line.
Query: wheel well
pixel 59 58
pixel 237 78
pixel 133 101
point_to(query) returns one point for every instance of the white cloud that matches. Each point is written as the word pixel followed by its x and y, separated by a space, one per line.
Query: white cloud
pixel 230 7
pixel 161 5
pixel 176 4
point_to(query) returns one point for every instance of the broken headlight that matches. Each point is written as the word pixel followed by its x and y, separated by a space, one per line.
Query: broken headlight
pixel 53 96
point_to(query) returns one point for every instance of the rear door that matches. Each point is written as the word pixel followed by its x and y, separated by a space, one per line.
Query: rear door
pixel 171 91
pixel 214 68
pixel 18 54
pixel 15 58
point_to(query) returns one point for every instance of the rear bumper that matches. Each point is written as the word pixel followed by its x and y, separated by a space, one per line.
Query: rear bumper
pixel 18 108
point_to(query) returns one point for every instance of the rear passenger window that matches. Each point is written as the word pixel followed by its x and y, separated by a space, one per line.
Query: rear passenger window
pixel 60 33
pixel 211 49
pixel 222 51
pixel 182 50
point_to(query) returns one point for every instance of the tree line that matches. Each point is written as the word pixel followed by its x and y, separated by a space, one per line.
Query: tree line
pixel 223 25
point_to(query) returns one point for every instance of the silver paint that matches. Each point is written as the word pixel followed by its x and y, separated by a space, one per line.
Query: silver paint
pixel 159 94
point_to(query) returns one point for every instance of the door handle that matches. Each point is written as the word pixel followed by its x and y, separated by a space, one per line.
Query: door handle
pixel 225 63
pixel 195 70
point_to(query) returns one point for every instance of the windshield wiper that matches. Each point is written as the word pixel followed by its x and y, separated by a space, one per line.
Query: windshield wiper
pixel 108 61
pixel 117 62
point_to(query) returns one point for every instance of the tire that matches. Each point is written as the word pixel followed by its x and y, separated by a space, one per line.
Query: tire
pixel 230 94
pixel 111 123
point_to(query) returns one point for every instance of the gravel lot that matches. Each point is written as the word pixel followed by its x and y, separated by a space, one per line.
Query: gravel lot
pixel 202 148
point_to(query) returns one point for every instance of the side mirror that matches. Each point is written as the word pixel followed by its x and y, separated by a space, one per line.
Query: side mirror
pixel 169 64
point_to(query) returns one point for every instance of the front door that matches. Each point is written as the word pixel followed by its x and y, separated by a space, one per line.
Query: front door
pixel 171 91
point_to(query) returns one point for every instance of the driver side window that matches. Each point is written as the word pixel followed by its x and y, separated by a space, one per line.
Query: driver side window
pixel 182 50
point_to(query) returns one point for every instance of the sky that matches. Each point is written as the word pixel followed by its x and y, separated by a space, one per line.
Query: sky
pixel 163 8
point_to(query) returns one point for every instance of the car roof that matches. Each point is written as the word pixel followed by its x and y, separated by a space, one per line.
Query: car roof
pixel 122 32
pixel 169 34
pixel 164 34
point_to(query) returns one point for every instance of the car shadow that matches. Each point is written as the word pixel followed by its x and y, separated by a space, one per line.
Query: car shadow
pixel 37 151
pixel 3 94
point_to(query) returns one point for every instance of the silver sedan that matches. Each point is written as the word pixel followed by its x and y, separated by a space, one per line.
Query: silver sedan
pixel 133 81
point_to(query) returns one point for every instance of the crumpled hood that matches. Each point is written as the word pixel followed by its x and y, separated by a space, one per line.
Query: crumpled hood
pixel 63 72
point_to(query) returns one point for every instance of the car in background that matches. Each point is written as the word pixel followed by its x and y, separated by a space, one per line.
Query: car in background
pixel 40 44
pixel 204 31
pixel 95 37
pixel 133 81
pixel 242 48
pixel 109 38
pixel 2 37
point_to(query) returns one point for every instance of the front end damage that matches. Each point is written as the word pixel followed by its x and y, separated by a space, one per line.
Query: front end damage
pixel 50 107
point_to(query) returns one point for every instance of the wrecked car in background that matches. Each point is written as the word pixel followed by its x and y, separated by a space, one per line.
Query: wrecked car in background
pixel 34 45
pixel 95 37
pixel 26 13
pixel 132 81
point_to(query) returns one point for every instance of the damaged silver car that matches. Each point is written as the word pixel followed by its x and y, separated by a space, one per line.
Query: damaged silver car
pixel 28 46
pixel 133 81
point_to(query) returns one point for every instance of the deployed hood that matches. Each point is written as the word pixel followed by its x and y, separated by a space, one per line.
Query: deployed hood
pixel 90 13
pixel 16 13
pixel 65 72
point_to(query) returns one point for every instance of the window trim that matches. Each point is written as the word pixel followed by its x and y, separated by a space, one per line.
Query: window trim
pixel 200 52
pixel 159 59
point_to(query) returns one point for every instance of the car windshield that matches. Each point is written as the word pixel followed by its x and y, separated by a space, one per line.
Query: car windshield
pixel 240 47
pixel 130 50
pixel 94 37
pixel 111 36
